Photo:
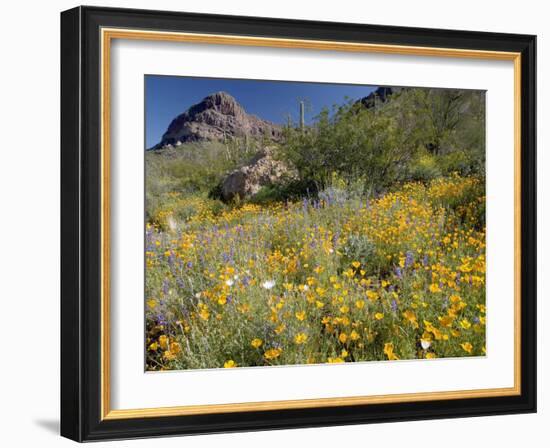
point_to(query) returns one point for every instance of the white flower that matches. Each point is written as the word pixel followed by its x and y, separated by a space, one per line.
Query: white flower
pixel 198 295
pixel 306 288
pixel 268 284
pixel 229 282
pixel 425 344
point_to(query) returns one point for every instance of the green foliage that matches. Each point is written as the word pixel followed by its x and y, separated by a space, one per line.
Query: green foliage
pixel 289 191
pixel 353 142
pixel 418 134
pixel 465 163
pixel 358 247
pixel 425 167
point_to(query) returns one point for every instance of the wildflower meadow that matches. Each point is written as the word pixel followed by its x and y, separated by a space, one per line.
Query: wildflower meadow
pixel 319 281
pixel 395 271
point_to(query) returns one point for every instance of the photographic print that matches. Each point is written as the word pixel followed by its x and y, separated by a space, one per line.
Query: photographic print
pixel 228 213
pixel 308 223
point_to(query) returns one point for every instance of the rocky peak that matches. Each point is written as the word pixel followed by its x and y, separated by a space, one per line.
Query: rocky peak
pixel 379 96
pixel 221 102
pixel 216 117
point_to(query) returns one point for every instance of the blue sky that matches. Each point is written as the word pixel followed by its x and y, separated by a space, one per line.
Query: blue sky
pixel 168 96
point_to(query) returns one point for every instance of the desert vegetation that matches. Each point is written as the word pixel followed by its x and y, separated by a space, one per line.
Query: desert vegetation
pixel 370 246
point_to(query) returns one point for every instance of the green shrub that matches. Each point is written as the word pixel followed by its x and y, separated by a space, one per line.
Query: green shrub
pixel 465 163
pixel 425 167
pixel 287 192
pixel 357 248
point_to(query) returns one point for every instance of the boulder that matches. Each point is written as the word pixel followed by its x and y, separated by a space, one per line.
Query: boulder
pixel 262 170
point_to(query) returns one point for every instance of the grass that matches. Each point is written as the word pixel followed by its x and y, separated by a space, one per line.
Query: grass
pixel 337 278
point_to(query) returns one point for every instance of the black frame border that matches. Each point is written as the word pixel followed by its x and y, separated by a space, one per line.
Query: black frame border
pixel 81 223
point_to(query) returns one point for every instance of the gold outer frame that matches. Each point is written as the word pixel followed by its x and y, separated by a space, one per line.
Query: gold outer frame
pixel 107 35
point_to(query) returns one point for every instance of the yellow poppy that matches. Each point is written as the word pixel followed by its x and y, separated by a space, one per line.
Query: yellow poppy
pixel 229 364
pixel 300 338
pixel 256 343
pixel 273 353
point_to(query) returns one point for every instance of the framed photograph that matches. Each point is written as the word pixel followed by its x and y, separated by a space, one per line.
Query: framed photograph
pixel 272 223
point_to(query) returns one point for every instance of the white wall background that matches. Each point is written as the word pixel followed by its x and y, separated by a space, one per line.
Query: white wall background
pixel 29 223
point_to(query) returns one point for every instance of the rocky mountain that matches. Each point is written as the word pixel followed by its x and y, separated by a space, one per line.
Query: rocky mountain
pixel 216 117
pixel 379 96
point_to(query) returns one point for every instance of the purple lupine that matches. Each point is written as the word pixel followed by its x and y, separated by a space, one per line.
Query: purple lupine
pixel 161 320
pixel 394 305
pixel 165 286
pixel 149 239
pixel 399 273
pixel 409 259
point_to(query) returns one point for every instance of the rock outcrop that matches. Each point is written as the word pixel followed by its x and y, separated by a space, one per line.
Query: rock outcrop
pixel 216 117
pixel 262 170
pixel 379 96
